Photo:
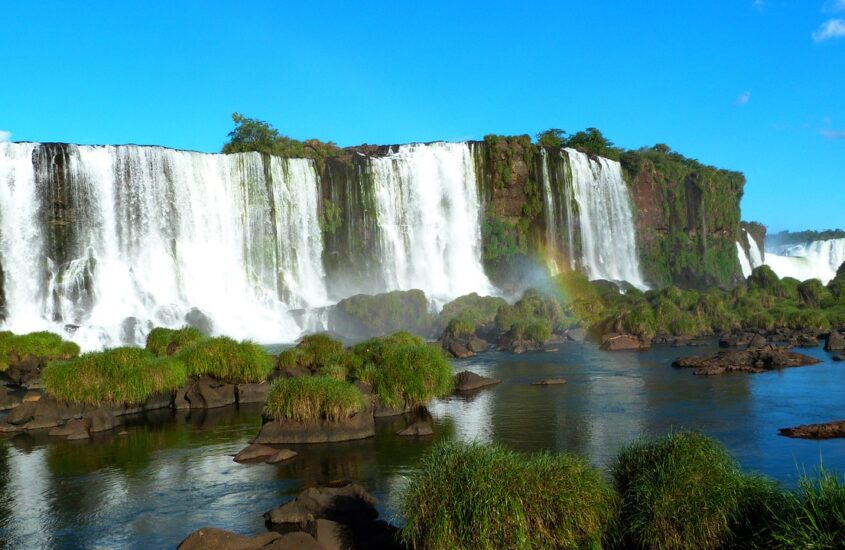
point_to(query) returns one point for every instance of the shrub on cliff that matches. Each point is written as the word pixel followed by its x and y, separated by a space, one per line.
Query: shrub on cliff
pixel 116 376
pixel 165 341
pixel 403 370
pixel 312 398
pixel 225 359
pixel 474 496
pixel 44 345
pixel 679 491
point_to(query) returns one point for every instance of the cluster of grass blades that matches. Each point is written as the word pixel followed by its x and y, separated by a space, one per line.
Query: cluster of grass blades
pixel 166 341
pixel 226 359
pixel 44 345
pixel 313 398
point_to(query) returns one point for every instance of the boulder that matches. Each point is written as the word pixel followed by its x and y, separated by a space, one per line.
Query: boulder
pixel 101 420
pixel 839 357
pixel 576 334
pixel 281 456
pixel 620 342
pixel 208 393
pixel 332 535
pixel 180 402
pixel 827 430
pixel 459 350
pixel 806 341
pixel 200 321
pixel 295 541
pixel 75 428
pixel 31 396
pixel 749 361
pixel 158 401
pixel 383 411
pixel 757 342
pixel 8 400
pixel 255 452
pixel 284 432
pixel 346 503
pixel 252 393
pixel 420 428
pixel 45 413
pixel 469 381
pixel 477 345
pixel 835 341
pixel 549 382
pixel 25 370
pixel 209 538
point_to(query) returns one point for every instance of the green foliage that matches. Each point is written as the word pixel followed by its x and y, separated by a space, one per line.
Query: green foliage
pixel 813 293
pixel 44 345
pixel 553 137
pixel 225 359
pixel 798 237
pixel 592 142
pixel 469 312
pixel 814 517
pixel 164 341
pixel 678 491
pixel 313 398
pixel 331 219
pixel 116 376
pixel 469 496
pixel 250 135
pixel 404 370
pixel 503 241
pixel 534 317
pixel 381 314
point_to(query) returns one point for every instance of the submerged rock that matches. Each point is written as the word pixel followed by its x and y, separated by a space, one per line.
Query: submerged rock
pixel 750 361
pixel 281 456
pixel 470 381
pixel 549 382
pixel 209 538
pixel 827 430
pixel 420 428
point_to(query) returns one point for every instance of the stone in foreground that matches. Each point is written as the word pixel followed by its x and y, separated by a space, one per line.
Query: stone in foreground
pixel 470 381
pixel 211 538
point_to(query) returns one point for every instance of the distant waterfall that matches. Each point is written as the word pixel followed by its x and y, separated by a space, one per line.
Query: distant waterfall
pixel 115 240
pixel 589 198
pixel 428 214
pixel 810 260
pixel 753 258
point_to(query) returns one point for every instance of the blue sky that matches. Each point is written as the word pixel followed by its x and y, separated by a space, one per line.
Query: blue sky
pixel 751 85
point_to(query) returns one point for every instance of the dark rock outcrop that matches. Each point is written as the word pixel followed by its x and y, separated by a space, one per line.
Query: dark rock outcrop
pixel 620 342
pixel 750 361
pixel 549 382
pixel 282 432
pixel 469 381
pixel 827 430
pixel 208 393
pixel 255 452
pixel 420 428
pixel 252 393
pixel 835 341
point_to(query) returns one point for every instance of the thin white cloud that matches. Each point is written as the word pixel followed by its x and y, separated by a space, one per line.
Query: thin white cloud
pixel 743 99
pixel 832 28
pixel 833 134
pixel 5 136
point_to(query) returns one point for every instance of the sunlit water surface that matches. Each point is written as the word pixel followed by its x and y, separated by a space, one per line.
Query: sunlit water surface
pixel 173 474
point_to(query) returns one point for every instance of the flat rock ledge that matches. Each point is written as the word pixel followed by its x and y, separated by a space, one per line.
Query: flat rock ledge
pixel 289 432
pixel 256 452
pixel 469 381
pixel 209 538
pixel 749 361
pixel 827 430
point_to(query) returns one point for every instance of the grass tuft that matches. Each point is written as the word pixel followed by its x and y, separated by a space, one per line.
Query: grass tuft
pixel 814 517
pixel 165 341
pixel 312 398
pixel 116 376
pixel 225 359
pixel 475 496
pixel 45 345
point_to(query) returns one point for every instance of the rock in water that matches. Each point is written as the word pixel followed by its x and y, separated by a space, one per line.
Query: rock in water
pixel 749 360
pixel 460 351
pixel 469 381
pixel 255 452
pixel 209 538
pixel 827 430
pixel 420 428
pixel 619 342
pixel 835 341
pixel 281 456
pixel 549 382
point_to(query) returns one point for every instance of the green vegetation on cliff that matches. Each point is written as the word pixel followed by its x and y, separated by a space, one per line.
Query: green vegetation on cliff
pixel 798 237
pixel 226 359
pixel 165 341
pixel 251 135
pixel 45 346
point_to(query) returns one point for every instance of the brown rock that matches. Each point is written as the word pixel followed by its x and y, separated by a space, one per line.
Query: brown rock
pixel 8 400
pixel 295 541
pixel 255 452
pixel 179 401
pixel 340 503
pixel 460 351
pixel 208 393
pixel 619 342
pixel 210 538
pixel 470 381
pixel 285 432
pixel 101 420
pixel 420 428
pixel 477 345
pixel 332 535
pixel 281 456
pixel 158 401
pixel 31 396
pixel 835 341
pixel 252 393
pixel 75 428
pixel 549 382
pixel 749 360
pixel 827 430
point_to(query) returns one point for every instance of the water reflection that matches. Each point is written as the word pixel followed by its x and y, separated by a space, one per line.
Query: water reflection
pixel 171 474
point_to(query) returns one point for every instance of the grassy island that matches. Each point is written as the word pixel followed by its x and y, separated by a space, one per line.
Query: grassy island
pixel 44 345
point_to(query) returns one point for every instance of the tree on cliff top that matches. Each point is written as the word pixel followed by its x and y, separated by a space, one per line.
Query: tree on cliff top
pixel 553 137
pixel 590 141
pixel 251 134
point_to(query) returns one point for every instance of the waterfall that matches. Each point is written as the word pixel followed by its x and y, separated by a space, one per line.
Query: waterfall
pixel 428 213
pixel 752 259
pixel 604 219
pixel 107 242
pixel 810 260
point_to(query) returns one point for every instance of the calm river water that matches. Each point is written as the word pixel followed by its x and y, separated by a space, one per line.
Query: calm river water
pixel 174 474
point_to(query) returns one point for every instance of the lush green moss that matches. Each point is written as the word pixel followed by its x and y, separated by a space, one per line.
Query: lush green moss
pixel 404 370
pixel 115 376
pixel 678 491
pixel 380 314
pixel 312 398
pixel 164 341
pixel 227 360
pixel 473 496
pixel 466 314
pixel 44 345
pixel 535 315
pixel 312 352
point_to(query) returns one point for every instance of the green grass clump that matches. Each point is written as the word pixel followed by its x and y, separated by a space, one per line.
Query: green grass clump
pixel 678 491
pixel 117 376
pixel 165 341
pixel 404 370
pixel 227 360
pixel 815 516
pixel 45 345
pixel 470 312
pixel 312 398
pixel 312 352
pixel 475 496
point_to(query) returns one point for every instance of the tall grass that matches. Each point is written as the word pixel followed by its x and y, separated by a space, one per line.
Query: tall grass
pixel 815 516
pixel 313 352
pixel 227 360
pixel 678 491
pixel 404 370
pixel 166 341
pixel 116 376
pixel 45 345
pixel 474 496
pixel 312 398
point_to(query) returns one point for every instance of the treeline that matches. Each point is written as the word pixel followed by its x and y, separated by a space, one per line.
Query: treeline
pixel 252 135
pixel 800 237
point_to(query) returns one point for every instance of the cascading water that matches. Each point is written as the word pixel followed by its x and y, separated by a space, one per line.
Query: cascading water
pixel 146 236
pixel 753 258
pixel 605 220
pixel 810 260
pixel 429 220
